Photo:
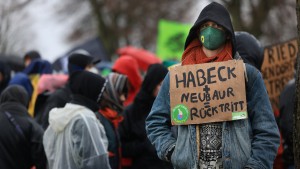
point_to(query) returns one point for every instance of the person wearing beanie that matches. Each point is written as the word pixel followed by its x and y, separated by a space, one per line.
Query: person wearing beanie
pixel 135 144
pixel 250 142
pixel 75 138
pixel 82 60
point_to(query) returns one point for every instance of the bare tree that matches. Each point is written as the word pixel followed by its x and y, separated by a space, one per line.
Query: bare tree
pixel 296 130
pixel 271 21
pixel 12 28
pixel 133 22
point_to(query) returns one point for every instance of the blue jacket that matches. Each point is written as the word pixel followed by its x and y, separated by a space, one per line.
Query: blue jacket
pixel 252 142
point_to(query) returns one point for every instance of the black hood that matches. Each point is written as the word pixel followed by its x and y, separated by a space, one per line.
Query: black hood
pixel 15 93
pixel 87 87
pixel 216 13
pixel 155 74
pixel 250 49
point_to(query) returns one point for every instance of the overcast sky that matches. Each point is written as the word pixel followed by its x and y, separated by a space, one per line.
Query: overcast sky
pixel 49 32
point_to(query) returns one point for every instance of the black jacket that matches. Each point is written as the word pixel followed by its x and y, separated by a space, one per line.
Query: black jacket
pixel 135 143
pixel 21 138
pixel 286 107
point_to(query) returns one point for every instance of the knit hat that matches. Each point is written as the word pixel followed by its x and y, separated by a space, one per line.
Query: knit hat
pixel 79 59
pixel 87 84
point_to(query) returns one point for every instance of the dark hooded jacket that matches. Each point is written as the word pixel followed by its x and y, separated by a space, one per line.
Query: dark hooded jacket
pixel 250 49
pixel 21 137
pixel 216 13
pixel 135 143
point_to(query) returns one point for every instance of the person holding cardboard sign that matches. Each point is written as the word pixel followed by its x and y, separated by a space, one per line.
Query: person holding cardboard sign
pixel 234 134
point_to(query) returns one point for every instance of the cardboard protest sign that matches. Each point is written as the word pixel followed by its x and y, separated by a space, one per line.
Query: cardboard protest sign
pixel 211 92
pixel 171 39
pixel 278 68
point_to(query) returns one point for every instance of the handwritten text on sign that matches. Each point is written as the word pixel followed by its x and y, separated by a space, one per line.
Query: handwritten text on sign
pixel 278 68
pixel 204 93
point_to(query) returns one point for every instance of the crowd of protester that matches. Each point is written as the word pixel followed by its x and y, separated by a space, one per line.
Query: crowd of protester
pixel 85 120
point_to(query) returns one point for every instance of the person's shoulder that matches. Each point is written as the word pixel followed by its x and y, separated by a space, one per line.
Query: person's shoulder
pixel 289 87
pixel 80 123
pixel 62 91
pixel 251 71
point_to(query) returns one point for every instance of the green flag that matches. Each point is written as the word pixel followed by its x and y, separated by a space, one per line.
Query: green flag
pixel 171 39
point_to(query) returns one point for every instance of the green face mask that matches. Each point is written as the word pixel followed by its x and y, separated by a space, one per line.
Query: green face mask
pixel 212 38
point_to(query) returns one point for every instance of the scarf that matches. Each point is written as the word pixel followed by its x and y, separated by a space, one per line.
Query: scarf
pixel 117 84
pixel 112 116
pixel 194 54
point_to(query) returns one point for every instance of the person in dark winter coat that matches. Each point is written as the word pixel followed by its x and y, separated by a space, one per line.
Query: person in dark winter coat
pixel 250 49
pixel 286 107
pixel 135 144
pixel 245 143
pixel 111 106
pixel 21 138
pixel 4 75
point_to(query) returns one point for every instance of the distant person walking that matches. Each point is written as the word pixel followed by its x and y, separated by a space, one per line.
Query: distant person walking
pixel 135 144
